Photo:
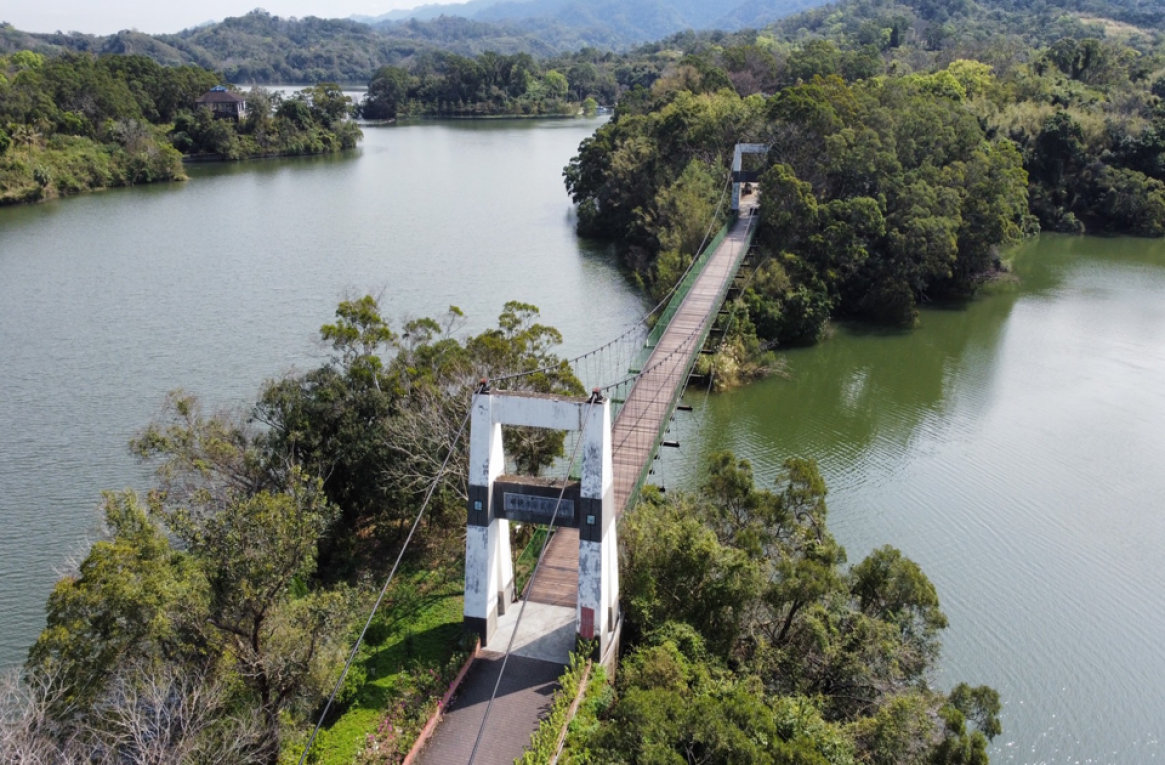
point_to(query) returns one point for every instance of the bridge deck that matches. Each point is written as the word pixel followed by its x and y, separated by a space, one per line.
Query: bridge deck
pixel 636 431
pixel 529 682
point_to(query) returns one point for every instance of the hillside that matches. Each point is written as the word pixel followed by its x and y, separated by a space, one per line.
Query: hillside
pixel 261 47
pixel 607 23
pixel 970 26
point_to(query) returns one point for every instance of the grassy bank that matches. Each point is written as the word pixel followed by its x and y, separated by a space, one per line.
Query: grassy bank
pixel 400 672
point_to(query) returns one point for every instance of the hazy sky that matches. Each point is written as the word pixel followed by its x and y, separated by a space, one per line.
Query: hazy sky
pixel 156 16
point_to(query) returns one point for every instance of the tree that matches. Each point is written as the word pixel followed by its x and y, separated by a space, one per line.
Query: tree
pixel 357 337
pixel 893 589
pixel 583 78
pixel 149 714
pixel 376 421
pixel 170 715
pixel 746 642
pixel 676 707
pixel 676 569
pixel 387 94
pixel 556 84
pixel 31 728
pixel 133 599
pixel 256 552
pixel 329 105
pixel 253 520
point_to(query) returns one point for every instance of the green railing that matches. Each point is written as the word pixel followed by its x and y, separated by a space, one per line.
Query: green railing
pixel 668 314
pixel 677 299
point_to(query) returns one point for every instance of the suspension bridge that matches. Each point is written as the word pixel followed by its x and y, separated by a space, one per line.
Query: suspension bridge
pixel 525 639
pixel 574 591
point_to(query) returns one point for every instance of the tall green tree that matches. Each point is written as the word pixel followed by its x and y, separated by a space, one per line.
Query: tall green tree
pixel 133 599
pixel 748 642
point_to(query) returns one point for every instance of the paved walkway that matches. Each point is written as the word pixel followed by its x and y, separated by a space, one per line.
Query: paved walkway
pixel 540 652
pixel 524 698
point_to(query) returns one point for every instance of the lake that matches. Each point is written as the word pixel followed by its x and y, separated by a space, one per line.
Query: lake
pixel 1015 448
pixel 109 300
pixel 1012 446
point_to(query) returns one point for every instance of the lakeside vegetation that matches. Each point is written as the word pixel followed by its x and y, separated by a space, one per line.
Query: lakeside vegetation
pixel 449 85
pixel 910 143
pixel 746 640
pixel 212 621
pixel 79 122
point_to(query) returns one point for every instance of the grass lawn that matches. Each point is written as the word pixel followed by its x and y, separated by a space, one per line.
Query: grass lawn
pixel 415 634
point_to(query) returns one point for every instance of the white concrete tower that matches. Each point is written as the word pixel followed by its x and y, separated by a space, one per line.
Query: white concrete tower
pixel 598 548
pixel 489 570
pixel 495 499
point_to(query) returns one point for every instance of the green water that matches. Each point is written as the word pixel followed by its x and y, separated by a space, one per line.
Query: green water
pixel 1015 447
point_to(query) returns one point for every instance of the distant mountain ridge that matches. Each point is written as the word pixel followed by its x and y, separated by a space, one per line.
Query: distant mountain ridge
pixel 261 47
pixel 430 11
pixel 624 22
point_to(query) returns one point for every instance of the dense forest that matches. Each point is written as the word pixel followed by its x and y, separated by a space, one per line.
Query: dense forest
pixel 78 122
pixel 261 48
pixel 751 642
pixel 905 154
pixel 446 84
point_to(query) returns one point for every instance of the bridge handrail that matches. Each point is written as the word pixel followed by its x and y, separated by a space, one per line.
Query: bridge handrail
pixel 678 391
pixel 677 299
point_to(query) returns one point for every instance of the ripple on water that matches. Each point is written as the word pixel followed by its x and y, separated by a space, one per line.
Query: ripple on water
pixel 1023 473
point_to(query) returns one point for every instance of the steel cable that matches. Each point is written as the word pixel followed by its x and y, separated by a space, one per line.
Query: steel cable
pixel 384 589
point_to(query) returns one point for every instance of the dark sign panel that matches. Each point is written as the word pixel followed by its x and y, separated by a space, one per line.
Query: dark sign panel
pixel 532 509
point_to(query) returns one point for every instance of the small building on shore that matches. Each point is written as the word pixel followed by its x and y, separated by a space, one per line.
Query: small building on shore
pixel 223 103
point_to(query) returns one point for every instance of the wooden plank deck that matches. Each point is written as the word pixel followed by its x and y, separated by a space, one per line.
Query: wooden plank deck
pixel 636 430
pixel 557 581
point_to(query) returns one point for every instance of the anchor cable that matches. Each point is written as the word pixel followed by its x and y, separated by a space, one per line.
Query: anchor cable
pixel 384 589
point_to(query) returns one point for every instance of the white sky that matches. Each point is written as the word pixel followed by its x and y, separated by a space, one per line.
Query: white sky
pixel 159 16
